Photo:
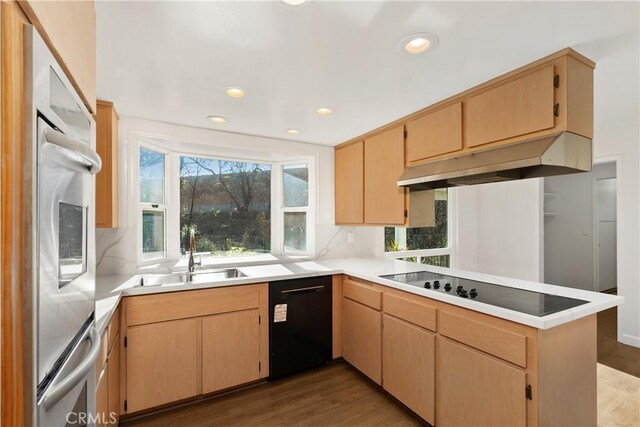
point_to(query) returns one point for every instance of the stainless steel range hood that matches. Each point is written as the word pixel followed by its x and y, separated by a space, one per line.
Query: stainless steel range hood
pixel 557 154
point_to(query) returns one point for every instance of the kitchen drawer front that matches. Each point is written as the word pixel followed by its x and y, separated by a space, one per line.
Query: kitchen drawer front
pixel 501 343
pixel 179 305
pixel 113 329
pixel 414 312
pixel 362 293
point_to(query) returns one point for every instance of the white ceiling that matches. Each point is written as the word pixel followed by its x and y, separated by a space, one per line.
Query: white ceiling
pixel 170 61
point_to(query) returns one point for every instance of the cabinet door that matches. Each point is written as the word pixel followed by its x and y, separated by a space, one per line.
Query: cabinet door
pixel 519 107
pixel 362 338
pixel 230 350
pixel 107 178
pixel 435 133
pixel 384 201
pixel 349 184
pixel 113 370
pixel 102 405
pixel 162 363
pixel 408 355
pixel 475 389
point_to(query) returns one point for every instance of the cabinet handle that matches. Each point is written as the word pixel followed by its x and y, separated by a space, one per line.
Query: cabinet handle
pixel 310 288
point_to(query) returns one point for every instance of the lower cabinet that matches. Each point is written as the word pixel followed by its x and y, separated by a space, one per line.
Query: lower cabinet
pixel 362 338
pixel 408 357
pixel 230 350
pixel 102 398
pixel 162 363
pixel 113 379
pixel 476 389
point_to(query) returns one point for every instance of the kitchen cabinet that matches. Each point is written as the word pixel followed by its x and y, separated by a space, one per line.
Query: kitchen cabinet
pixel 230 350
pixel 107 178
pixel 69 29
pixel 408 370
pixel 113 381
pixel 108 374
pixel 437 132
pixel 183 345
pixel 476 389
pixel 163 363
pixel 349 184
pixel 102 398
pixel 362 338
pixel 384 201
pixel 508 110
pixel 546 97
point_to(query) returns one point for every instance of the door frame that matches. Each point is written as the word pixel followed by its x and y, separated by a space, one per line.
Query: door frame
pixel 617 160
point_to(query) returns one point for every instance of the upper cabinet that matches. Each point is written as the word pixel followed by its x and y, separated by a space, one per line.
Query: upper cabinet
pixel 107 178
pixel 384 201
pixel 519 107
pixel 69 29
pixel 349 184
pixel 435 133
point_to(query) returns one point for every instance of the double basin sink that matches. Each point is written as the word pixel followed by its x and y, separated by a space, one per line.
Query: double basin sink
pixel 201 276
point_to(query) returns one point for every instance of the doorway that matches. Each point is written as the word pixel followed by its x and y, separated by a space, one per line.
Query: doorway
pixel 604 216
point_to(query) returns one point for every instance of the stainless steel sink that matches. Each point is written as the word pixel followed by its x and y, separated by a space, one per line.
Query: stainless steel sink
pixel 203 276
pixel 208 276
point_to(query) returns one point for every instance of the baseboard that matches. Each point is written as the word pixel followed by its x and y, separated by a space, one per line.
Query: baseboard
pixel 629 340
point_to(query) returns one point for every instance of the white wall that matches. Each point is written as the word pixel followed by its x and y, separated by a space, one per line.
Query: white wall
pixel 569 234
pixel 116 248
pixel 499 229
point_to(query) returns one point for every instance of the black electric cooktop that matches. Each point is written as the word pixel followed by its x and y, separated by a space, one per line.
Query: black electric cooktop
pixel 529 302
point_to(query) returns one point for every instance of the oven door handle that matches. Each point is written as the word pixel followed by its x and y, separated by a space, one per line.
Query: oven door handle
pixel 75 151
pixel 66 385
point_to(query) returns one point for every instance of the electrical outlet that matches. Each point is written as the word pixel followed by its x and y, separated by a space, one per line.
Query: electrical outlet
pixel 351 237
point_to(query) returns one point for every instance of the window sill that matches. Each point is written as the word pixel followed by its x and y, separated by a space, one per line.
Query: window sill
pixel 209 262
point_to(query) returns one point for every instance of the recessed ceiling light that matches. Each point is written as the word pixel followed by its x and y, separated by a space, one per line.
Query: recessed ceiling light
pixel 294 2
pixel 324 111
pixel 219 120
pixel 419 42
pixel 235 91
pixel 293 131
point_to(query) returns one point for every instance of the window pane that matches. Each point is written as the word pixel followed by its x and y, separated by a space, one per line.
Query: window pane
pixel 407 239
pixel 296 185
pixel 295 231
pixel 151 176
pixel 152 234
pixel 437 260
pixel 227 203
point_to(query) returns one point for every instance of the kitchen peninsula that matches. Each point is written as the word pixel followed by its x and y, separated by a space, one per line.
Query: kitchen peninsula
pixel 525 367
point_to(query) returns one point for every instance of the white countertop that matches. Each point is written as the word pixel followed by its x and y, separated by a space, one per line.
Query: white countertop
pixel 109 289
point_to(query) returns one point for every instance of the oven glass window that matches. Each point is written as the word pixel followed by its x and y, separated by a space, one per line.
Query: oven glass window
pixel 72 251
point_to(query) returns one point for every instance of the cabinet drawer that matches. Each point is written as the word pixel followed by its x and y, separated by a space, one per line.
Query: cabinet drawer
pixel 362 293
pixel 179 305
pixel 499 342
pixel 414 312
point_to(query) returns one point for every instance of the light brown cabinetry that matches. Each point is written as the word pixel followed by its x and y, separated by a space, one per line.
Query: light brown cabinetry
pixel 108 374
pixel 349 184
pixel 230 350
pixel 69 29
pixel 102 398
pixel 384 201
pixel 477 389
pixel 435 133
pixel 162 363
pixel 408 356
pixel 182 345
pixel 107 178
pixel 519 107
pixel 362 338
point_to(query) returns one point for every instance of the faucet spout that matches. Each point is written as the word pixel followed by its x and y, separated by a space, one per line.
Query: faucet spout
pixel 192 247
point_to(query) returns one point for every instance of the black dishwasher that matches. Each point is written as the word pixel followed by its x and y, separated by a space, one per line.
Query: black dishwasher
pixel 300 320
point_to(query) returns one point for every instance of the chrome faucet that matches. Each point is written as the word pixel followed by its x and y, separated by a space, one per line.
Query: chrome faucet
pixel 192 247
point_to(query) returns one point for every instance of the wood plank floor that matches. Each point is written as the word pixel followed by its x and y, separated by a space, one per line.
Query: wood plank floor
pixel 328 396
pixel 338 395
pixel 618 356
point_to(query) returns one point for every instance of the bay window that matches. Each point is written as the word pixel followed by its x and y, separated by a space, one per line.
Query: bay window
pixel 235 207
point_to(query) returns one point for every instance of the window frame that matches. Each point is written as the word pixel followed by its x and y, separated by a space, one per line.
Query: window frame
pixel 172 196
pixel 452 200
pixel 140 206
pixel 309 210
